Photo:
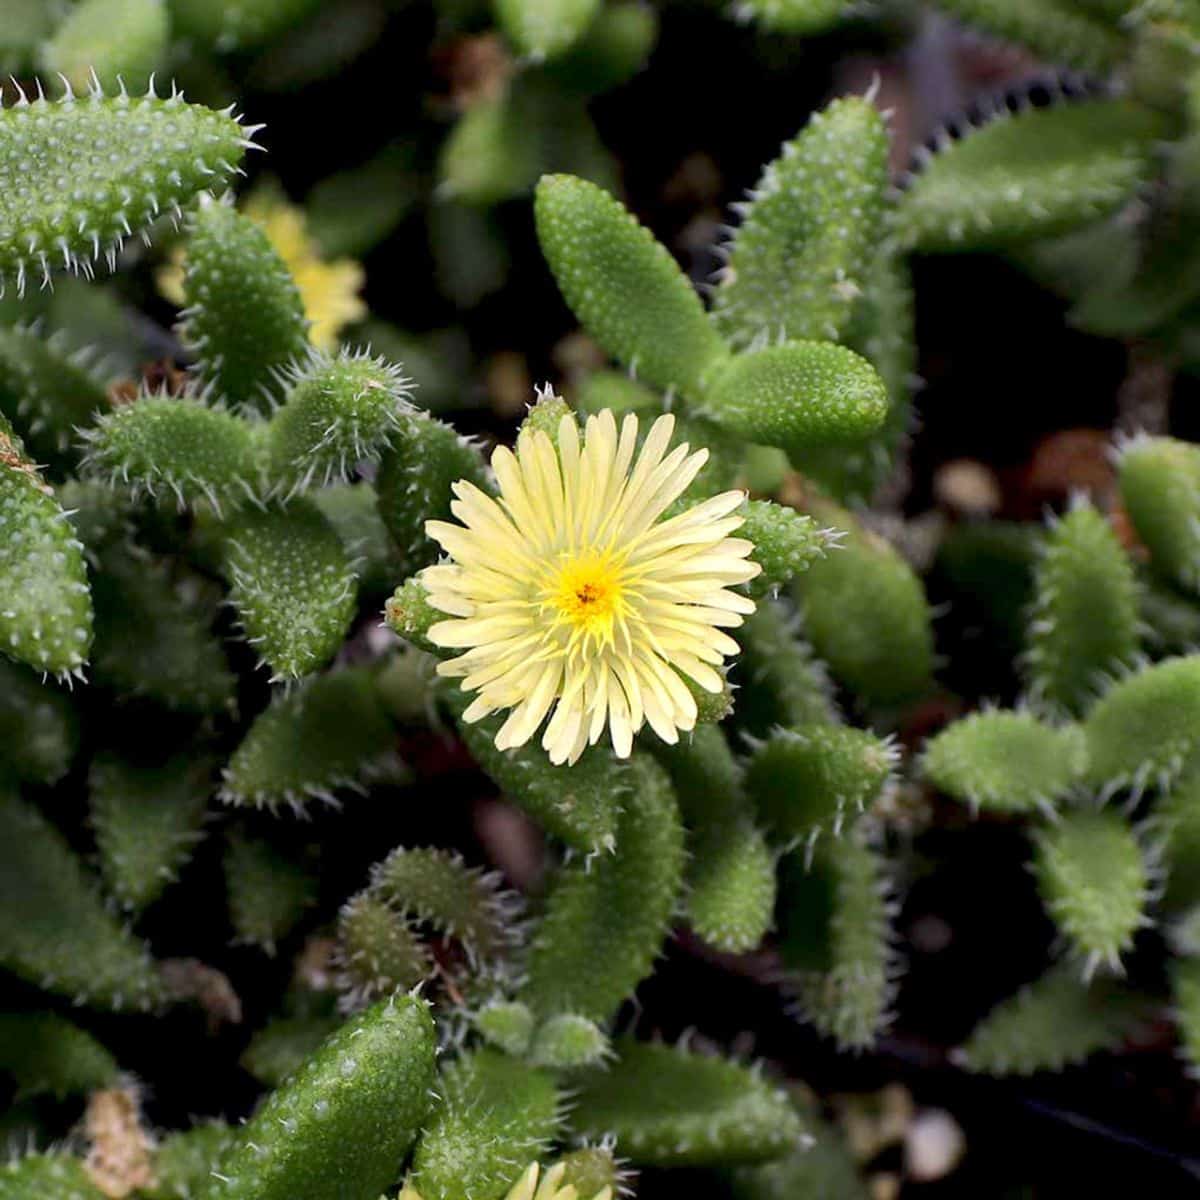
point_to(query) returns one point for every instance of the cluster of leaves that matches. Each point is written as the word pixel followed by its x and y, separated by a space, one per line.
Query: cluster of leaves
pixel 213 547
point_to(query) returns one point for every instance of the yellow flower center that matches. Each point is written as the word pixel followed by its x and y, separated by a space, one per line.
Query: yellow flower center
pixel 587 594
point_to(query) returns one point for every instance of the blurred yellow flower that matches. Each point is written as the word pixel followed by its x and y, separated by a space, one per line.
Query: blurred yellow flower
pixel 533 1185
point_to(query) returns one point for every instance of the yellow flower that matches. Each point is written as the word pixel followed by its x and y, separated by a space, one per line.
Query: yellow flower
pixel 528 1188
pixel 329 290
pixel 569 592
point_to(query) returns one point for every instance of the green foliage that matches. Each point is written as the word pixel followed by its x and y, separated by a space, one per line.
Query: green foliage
pixel 283 1045
pixel 605 919
pixel 581 806
pixel 55 930
pixel 339 412
pixel 1008 762
pixel 507 1025
pixel 237 24
pixel 836 928
pixel 1185 990
pixel 328 733
pixel 496 1115
pixel 795 16
pixel 268 892
pixel 1036 173
pixel 782 683
pixel 118 39
pixel 160 446
pixel 1054 29
pixel 39 733
pixel 798 396
pixel 1179 814
pixel 668 1106
pixel 154 633
pixel 245 319
pixel 1160 488
pixel 797 263
pixel 48 1177
pixel 353 511
pixel 818 779
pixel 1092 876
pixel 344 1123
pixel 730 874
pixel 1142 730
pixel 378 950
pixel 567 1042
pixel 409 614
pixel 45 1053
pixel 1084 622
pixel 1056 1021
pixel 45 604
pixel 544 29
pixel 126 161
pixel 184 1162
pixel 424 459
pixel 147 822
pixel 47 391
pixel 624 286
pixel 865 610
pixel 292 583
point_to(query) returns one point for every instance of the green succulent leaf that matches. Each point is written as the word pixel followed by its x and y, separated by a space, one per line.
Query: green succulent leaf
pixel 797 262
pixel 1092 876
pixel 39 733
pixel 46 1054
pixel 343 1124
pixel 1036 173
pixel 544 29
pixel 268 891
pixel 120 40
pixel 127 160
pixel 1160 489
pixel 228 25
pixel 1007 762
pixel 48 1177
pixel 624 286
pixel 667 1106
pixel 606 918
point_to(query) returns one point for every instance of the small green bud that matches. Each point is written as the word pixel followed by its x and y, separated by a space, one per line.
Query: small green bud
pixel 567 1042
pixel 339 412
pixel 166 445
pixel 1056 1021
pixel 245 318
pixel 344 1123
pixel 818 779
pixel 507 1025
pixel 1007 762
pixel 624 286
pixel 1084 621
pixel 292 583
pixel 1092 877
pixel 785 543
pixel 379 951
pixel 670 1107
pixel 409 614
pixel 330 732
